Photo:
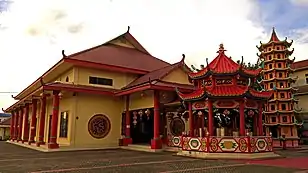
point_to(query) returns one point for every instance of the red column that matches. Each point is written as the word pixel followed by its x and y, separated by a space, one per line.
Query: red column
pixel 156 142
pixel 25 127
pixel 33 121
pixel 16 124
pixel 242 119
pixel 127 140
pixel 20 123
pixel 42 121
pixel 12 126
pixel 191 120
pixel 260 123
pixel 210 118
pixel 54 124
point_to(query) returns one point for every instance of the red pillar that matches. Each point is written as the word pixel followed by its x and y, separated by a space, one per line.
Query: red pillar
pixel 20 123
pixel 54 124
pixel 42 121
pixel 33 121
pixel 210 118
pixel 191 120
pixel 12 126
pixel 242 119
pixel 156 142
pixel 127 140
pixel 16 124
pixel 260 123
pixel 25 127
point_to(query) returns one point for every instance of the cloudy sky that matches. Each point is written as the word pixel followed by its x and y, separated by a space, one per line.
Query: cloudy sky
pixel 33 32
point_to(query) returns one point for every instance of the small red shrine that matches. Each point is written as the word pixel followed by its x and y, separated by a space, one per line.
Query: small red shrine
pixel 228 107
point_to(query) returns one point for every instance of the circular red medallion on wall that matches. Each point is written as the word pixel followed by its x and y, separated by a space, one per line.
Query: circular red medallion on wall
pixel 99 126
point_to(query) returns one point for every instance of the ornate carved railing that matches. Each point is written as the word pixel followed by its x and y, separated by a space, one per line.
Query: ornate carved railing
pixel 254 144
pixel 174 141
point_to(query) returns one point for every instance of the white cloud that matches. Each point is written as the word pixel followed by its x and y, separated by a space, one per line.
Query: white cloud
pixel 36 34
pixel 300 2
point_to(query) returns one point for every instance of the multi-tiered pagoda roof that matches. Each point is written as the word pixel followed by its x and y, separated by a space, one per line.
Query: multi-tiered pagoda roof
pixel 224 78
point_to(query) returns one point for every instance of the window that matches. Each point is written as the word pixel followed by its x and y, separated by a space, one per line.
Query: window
pixel 63 124
pixel 269 49
pixel 271 85
pixel 278 56
pixel 281 95
pixel 278 48
pixel 273 119
pixel 283 107
pixel 100 81
pixel 306 75
pixel 284 119
pixel 279 65
pixel 293 119
pixel 291 106
pixel 270 66
pixel 67 79
pixel 270 76
pixel 280 75
pixel 272 107
pixel 281 85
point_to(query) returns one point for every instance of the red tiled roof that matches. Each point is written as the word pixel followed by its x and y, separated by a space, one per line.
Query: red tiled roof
pixel 300 65
pixel 274 36
pixel 6 122
pixel 227 90
pixel 224 91
pixel 155 75
pixel 174 85
pixel 222 65
pixel 120 56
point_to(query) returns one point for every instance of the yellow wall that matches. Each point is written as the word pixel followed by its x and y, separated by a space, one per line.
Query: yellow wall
pixel 301 77
pixel 119 79
pixel 4 131
pixel 66 104
pixel 177 76
pixel 141 100
pixel 68 74
pixel 303 102
pixel 122 42
pixel 90 105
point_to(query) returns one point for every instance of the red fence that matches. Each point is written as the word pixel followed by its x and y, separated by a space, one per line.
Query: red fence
pixel 247 144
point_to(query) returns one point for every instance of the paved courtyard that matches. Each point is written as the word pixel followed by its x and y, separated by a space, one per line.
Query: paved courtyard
pixel 17 159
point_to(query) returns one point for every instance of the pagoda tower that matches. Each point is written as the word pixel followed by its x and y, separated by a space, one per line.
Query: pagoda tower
pixel 279 112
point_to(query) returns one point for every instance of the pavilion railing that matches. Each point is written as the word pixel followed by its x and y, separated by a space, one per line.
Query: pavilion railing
pixel 246 144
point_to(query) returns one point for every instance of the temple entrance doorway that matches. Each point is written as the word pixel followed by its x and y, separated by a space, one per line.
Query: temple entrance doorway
pixel 142 126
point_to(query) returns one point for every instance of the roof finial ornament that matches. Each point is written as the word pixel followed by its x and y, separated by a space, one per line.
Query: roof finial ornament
pixel 207 63
pixel 221 48
pixel 183 57
pixel 128 27
pixel 63 54
pixel 3 110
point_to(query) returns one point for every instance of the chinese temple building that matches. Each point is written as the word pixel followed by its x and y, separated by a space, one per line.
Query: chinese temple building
pixel 280 111
pixel 109 96
pixel 229 108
